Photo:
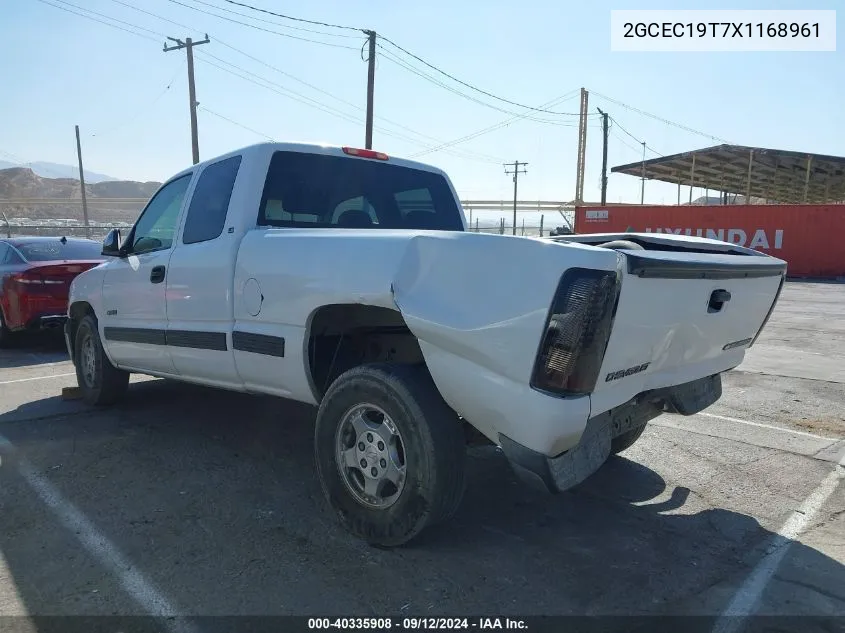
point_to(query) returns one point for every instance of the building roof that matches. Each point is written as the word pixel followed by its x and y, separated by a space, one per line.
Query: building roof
pixel 775 175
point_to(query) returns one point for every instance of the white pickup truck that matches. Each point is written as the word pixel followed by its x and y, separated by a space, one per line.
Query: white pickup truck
pixel 346 279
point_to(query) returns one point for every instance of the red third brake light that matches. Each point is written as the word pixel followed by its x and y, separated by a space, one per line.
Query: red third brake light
pixel 365 153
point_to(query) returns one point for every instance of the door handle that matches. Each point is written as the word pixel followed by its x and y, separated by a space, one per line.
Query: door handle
pixel 157 274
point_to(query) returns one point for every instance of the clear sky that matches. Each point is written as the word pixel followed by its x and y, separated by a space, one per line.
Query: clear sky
pixel 60 69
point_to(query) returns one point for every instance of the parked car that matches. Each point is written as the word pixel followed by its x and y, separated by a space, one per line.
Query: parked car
pixel 346 279
pixel 35 275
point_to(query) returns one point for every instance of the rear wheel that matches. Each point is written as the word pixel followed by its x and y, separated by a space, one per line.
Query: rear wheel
pixel 390 453
pixel 100 381
pixel 626 440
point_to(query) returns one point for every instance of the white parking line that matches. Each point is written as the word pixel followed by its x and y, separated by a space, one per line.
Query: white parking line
pixel 768 426
pixel 9 382
pixel 100 547
pixel 748 595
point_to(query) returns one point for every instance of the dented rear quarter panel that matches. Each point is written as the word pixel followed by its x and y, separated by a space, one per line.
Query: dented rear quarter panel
pixel 477 303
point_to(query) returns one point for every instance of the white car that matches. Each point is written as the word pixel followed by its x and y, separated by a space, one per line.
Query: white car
pixel 346 279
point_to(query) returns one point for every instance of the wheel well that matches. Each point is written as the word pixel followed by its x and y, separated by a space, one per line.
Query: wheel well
pixel 76 312
pixel 343 336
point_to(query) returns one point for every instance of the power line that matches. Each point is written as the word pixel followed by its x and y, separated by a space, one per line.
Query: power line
pixel 387 54
pixel 291 94
pixel 470 86
pixel 274 87
pixel 262 82
pixel 147 107
pixel 114 26
pixel 641 142
pixel 496 126
pixel 403 64
pixel 290 17
pixel 233 122
pixel 23 163
pixel 284 26
pixel 350 104
pixel 134 8
pixel 406 52
pixel 622 140
pixel 108 17
pixel 661 119
pixel 260 28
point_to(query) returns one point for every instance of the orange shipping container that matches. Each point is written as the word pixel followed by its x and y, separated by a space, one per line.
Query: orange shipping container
pixel 810 238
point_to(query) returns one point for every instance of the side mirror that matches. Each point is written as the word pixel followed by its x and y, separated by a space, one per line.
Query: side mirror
pixel 111 244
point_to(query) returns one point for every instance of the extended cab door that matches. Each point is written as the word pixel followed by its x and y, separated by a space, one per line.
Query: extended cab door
pixel 134 319
pixel 200 278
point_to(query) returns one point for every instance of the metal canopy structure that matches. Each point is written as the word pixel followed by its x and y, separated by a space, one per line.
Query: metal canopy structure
pixel 776 176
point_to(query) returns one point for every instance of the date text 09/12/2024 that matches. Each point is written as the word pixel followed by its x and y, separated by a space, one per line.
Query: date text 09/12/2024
pixel 418 624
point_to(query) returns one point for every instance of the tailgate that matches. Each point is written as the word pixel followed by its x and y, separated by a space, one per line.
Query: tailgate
pixel 682 316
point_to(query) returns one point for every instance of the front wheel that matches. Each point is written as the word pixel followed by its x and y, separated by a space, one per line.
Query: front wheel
pixel 101 382
pixel 390 453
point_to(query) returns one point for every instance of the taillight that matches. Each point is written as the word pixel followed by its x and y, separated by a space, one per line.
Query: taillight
pixel 577 332
pixel 364 153
pixel 32 283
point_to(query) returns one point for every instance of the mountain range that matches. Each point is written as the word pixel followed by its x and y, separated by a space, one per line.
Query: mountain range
pixel 57 170
pixel 26 196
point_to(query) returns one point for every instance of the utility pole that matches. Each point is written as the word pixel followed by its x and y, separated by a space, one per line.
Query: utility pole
pixel 642 186
pixel 516 171
pixel 188 45
pixel 603 157
pixel 371 80
pixel 582 148
pixel 82 184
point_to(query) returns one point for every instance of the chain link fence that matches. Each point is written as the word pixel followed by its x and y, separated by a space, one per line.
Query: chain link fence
pixel 93 231
pixel 33 217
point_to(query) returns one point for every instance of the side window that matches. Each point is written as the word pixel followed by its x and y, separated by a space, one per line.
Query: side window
pixel 210 201
pixel 412 200
pixel 417 208
pixel 156 227
pixel 4 253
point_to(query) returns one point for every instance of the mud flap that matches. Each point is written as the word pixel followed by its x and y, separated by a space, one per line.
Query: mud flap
pixel 578 463
pixel 692 397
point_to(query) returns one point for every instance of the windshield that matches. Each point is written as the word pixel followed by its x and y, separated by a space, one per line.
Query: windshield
pixel 55 250
pixel 312 190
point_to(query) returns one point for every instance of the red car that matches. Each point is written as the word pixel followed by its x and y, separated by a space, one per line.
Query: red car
pixel 35 276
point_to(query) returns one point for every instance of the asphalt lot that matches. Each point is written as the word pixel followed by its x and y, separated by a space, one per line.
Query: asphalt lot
pixel 184 500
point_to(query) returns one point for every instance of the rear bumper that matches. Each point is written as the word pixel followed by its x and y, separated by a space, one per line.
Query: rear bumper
pixel 570 468
pixel 573 466
pixel 47 321
pixel 34 312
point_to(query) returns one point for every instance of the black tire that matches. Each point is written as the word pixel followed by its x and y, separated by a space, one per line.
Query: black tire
pixel 626 440
pixel 5 333
pixel 106 384
pixel 434 452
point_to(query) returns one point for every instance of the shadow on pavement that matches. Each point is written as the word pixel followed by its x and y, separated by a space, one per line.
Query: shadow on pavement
pixel 26 349
pixel 213 497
